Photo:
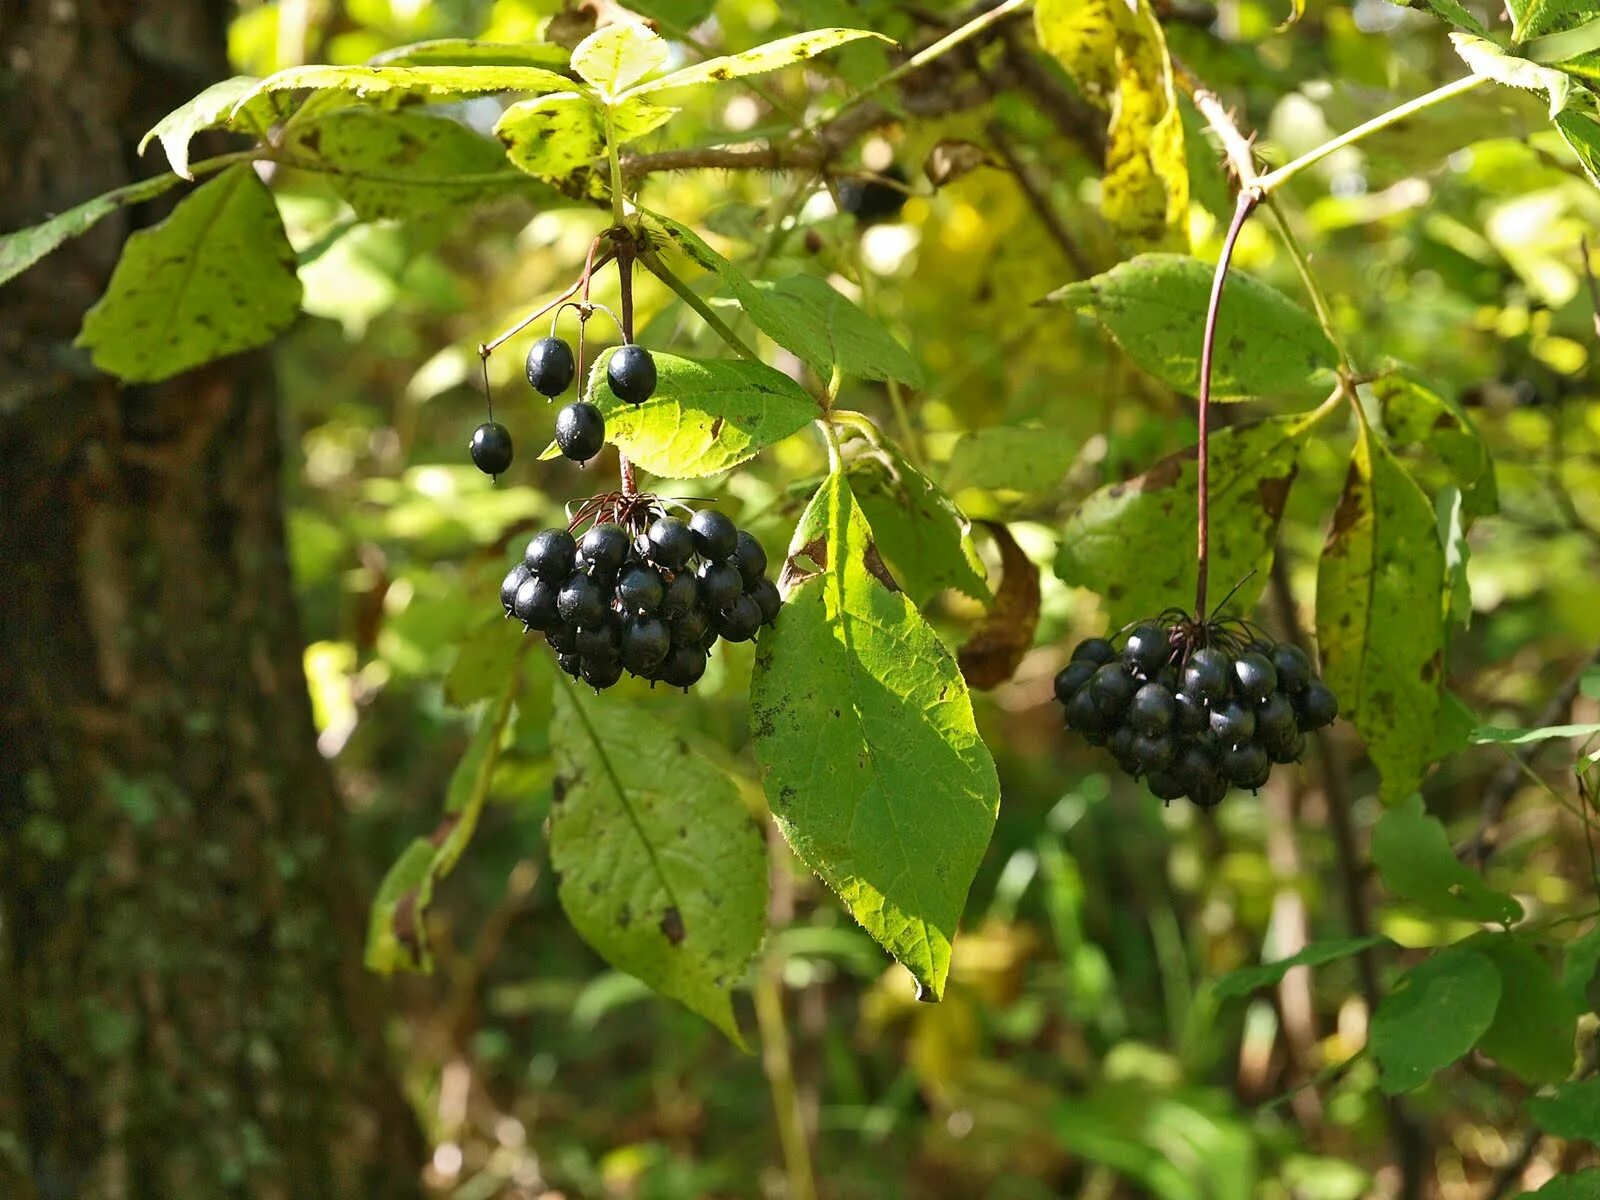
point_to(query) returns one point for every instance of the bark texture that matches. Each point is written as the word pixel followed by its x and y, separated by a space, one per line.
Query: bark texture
pixel 183 1011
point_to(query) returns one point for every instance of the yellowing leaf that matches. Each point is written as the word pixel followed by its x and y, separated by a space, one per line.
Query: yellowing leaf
pixel 1082 36
pixel 615 57
pixel 785 52
pixel 214 106
pixel 552 136
pixel 1145 192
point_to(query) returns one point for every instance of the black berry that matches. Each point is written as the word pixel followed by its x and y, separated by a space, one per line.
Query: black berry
pixel 1072 677
pixel 509 585
pixel 645 645
pixel 1207 675
pixel 1275 716
pixel 581 601
pixel 1316 706
pixel 1112 689
pixel 715 536
pixel 639 589
pixel 604 549
pixel 740 620
pixel 1254 677
pixel 631 372
pixel 1154 753
pixel 684 666
pixel 580 431
pixel 550 366
pixel 491 448
pixel 682 594
pixel 603 639
pixel 691 628
pixel 1233 723
pixel 768 599
pixel 601 673
pixel 1094 650
pixel 1147 650
pixel 1153 710
pixel 671 543
pixel 535 603
pixel 870 201
pixel 1084 715
pixel 1246 766
pixel 719 585
pixel 551 554
pixel 749 558
pixel 1293 667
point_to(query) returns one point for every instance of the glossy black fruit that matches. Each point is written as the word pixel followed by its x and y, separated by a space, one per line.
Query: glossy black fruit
pixel 871 201
pixel 1084 715
pixel 1095 650
pixel 640 589
pixel 1121 743
pixel 1154 753
pixel 570 663
pixel 1207 675
pixel 1153 710
pixel 740 620
pixel 1288 750
pixel 550 366
pixel 601 673
pixel 602 639
pixel 582 601
pixel 1246 766
pixel 682 594
pixel 1293 667
pixel 1166 785
pixel 580 431
pixel 715 535
pixel 1190 715
pixel 1147 650
pixel 535 603
pixel 683 666
pixel 768 599
pixel 517 576
pixel 1275 716
pixel 691 628
pixel 563 638
pixel 1316 706
pixel 1233 723
pixel 491 448
pixel 1254 677
pixel 671 543
pixel 604 549
pixel 1112 689
pixel 645 645
pixel 551 554
pixel 631 372
pixel 749 558
pixel 1072 677
pixel 720 585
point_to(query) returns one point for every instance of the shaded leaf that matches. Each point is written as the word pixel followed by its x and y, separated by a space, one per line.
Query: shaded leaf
pixel 1381 613
pixel 486 658
pixel 1015 458
pixel 1535 1024
pixel 661 867
pixel 1133 542
pixel 1578 971
pixel 1572 1112
pixel 1247 979
pixel 784 52
pixel 1414 858
pixel 552 136
pixel 21 249
pixel 870 756
pixel 920 531
pixel 216 277
pixel 1154 306
pixel 1434 1014
pixel 212 107
pixel 705 416
pixel 615 57
pixel 395 165
pixel 995 649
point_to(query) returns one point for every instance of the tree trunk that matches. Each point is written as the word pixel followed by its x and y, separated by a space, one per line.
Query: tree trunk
pixel 183 1011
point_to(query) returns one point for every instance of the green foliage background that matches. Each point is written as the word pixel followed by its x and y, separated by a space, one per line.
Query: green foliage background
pixel 1019 346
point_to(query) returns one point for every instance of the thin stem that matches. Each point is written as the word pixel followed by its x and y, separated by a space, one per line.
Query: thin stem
pixel 1247 201
pixel 1273 180
pixel 689 296
pixel 487 348
pixel 625 255
pixel 1594 287
pixel 615 161
pixel 1302 265
pixel 835 453
pixel 778 1066
pixel 926 55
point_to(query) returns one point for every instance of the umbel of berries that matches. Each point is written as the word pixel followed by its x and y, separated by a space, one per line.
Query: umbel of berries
pixel 641 591
pixel 1195 707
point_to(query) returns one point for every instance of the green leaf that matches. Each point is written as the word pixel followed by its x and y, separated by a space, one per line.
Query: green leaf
pixel 1435 1013
pixel 468 52
pixel 1578 971
pixel 1582 133
pixel 1580 1185
pixel 810 317
pixel 1535 1024
pixel 1572 1112
pixel 1414 858
pixel 552 136
pixel 1486 58
pixel 1154 306
pixel 216 277
pixel 1013 458
pixel 1499 735
pixel 397 935
pixel 705 416
pixel 420 81
pixel 485 660
pixel 1381 613
pixel 1247 979
pixel 1451 11
pixel 1559 31
pixel 1082 36
pixel 785 52
pixel 615 57
pixel 662 868
pixel 212 107
pixel 675 14
pixel 633 118
pixel 926 539
pixel 395 165
pixel 1145 190
pixel 1133 542
pixel 870 756
pixel 1416 415
pixel 20 250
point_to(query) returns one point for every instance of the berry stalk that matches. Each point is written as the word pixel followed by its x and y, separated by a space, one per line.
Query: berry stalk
pixel 1248 199
pixel 625 285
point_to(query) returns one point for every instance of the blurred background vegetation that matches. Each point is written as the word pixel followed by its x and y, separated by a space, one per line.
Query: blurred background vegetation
pixel 1080 1050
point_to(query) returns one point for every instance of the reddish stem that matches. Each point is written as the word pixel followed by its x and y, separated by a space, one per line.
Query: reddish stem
pixel 1248 200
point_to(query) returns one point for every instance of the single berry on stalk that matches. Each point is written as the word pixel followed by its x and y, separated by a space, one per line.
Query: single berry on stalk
pixel 1147 649
pixel 580 431
pixel 491 448
pixel 631 372
pixel 581 601
pixel 639 589
pixel 551 367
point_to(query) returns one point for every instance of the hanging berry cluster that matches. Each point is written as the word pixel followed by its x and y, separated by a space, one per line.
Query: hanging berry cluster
pixel 1195 707
pixel 641 591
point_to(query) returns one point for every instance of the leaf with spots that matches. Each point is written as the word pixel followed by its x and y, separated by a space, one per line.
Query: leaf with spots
pixel 785 52
pixel 1582 134
pixel 615 57
pixel 20 250
pixel 923 535
pixel 214 278
pixel 995 649
pixel 1381 606
pixel 552 136
pixel 395 83
pixel 1154 307
pixel 395 165
pixel 211 108
pixel 705 416
pixel 1565 33
pixel 870 755
pixel 469 52
pixel 1133 542
pixel 1145 191
pixel 1415 414
pixel 397 934
pixel 662 868
pixel 1082 36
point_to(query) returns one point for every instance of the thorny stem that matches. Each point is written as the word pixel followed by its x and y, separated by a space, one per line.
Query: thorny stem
pixel 1248 200
pixel 689 296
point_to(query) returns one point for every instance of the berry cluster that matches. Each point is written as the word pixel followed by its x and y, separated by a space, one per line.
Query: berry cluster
pixel 580 426
pixel 1195 707
pixel 642 592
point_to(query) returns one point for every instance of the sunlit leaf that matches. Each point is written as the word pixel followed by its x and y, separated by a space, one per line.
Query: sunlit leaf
pixel 1082 36
pixel 1564 32
pixel 469 52
pixel 20 250
pixel 784 52
pixel 920 531
pixel 421 81
pixel 1145 190
pixel 212 107
pixel 615 57
pixel 1487 58
pixel 552 136
pixel 864 729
